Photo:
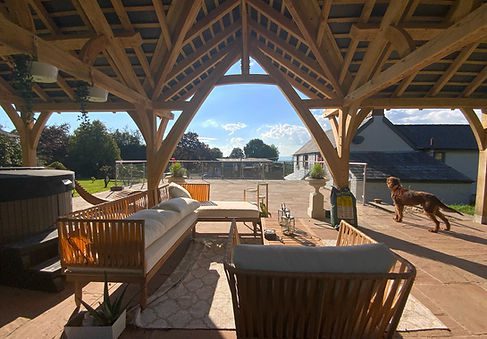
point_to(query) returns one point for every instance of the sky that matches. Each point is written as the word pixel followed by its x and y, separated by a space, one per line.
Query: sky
pixel 234 114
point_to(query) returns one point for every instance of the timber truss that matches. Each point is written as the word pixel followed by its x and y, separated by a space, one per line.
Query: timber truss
pixel 159 56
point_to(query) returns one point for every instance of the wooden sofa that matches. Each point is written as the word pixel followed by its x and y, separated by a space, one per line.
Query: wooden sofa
pixel 319 303
pixel 101 239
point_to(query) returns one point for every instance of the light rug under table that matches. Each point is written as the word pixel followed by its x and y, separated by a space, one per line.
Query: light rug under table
pixel 197 296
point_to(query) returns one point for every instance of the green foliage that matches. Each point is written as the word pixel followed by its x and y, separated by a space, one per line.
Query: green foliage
pixel 191 148
pixel 177 170
pixel 215 153
pixel 317 171
pixel 264 211
pixel 90 148
pixel 256 148
pixel 237 153
pixel 130 144
pixel 82 98
pixel 93 187
pixel 57 165
pixel 22 83
pixel 53 144
pixel 10 151
pixel 465 209
pixel 108 312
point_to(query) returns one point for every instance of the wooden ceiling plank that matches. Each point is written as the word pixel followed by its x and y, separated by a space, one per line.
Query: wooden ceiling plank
pixel 294 53
pixel 44 16
pixel 211 44
pixel 452 69
pixel 308 23
pixel 468 30
pixel 210 19
pixel 190 10
pixel 285 63
pixel 114 48
pixel 66 88
pixel 479 79
pixel 279 19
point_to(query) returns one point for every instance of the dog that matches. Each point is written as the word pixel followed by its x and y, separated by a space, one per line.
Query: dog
pixel 430 203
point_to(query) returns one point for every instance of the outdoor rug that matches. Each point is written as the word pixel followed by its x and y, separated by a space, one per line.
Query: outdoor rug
pixel 197 296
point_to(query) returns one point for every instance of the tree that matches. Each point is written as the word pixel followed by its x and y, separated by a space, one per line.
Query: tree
pixel 90 148
pixel 130 144
pixel 237 153
pixel 53 144
pixel 10 151
pixel 256 148
pixel 191 148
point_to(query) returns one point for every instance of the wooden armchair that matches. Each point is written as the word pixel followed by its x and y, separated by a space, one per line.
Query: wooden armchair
pixel 278 304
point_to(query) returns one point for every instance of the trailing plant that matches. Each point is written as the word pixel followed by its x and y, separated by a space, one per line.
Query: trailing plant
pixel 177 170
pixel 264 211
pixel 82 96
pixel 108 311
pixel 317 171
pixel 22 83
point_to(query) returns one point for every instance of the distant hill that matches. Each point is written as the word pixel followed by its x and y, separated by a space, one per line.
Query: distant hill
pixel 286 158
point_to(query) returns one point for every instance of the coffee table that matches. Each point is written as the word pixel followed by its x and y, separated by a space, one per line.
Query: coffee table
pixel 303 235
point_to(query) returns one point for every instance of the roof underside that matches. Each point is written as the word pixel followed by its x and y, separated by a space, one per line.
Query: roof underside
pixel 325 66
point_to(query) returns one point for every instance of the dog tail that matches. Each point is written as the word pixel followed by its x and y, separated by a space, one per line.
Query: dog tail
pixel 448 209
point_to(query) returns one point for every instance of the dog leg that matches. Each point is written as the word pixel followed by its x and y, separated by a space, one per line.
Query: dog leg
pixel 444 218
pixel 399 209
pixel 437 223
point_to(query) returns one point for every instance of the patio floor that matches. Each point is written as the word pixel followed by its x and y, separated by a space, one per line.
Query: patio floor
pixel 451 279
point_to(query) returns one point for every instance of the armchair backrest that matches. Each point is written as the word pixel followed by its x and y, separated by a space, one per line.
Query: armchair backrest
pixel 276 304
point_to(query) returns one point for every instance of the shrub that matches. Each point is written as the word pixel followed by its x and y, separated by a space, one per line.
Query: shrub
pixel 57 165
pixel 317 171
pixel 177 170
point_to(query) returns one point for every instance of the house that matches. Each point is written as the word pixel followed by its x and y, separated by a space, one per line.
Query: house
pixel 442 159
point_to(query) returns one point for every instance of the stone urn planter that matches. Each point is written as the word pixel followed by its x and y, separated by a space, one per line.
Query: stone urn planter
pixel 315 207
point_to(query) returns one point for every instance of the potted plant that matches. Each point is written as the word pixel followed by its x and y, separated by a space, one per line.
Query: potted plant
pixel 107 321
pixel 316 179
pixel 178 173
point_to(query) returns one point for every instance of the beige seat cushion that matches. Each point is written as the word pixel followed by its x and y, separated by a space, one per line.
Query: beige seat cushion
pixel 177 191
pixel 184 206
pixel 369 258
pixel 156 223
pixel 227 210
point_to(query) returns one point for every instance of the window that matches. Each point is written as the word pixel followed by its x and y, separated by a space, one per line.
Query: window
pixel 439 156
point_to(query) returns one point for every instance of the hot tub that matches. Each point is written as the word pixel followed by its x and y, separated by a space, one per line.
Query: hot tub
pixel 31 200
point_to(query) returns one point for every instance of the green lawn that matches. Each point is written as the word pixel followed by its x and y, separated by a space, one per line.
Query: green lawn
pixel 94 186
pixel 465 209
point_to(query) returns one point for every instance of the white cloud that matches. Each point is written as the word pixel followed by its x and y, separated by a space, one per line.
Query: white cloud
pixel 206 139
pixel 231 144
pixel 210 123
pixel 233 127
pixel 288 138
pixel 426 116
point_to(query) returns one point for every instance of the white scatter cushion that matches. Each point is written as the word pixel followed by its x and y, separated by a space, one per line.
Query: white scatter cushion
pixel 177 191
pixel 184 206
pixel 156 224
pixel 369 258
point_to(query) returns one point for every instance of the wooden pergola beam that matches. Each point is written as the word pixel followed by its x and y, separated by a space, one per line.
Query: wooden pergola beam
pixel 24 41
pixel 236 79
pixel 479 79
pixel 163 108
pixel 467 31
pixel 245 66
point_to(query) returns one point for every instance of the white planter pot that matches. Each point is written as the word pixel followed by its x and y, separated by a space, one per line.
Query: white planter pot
pixel 96 94
pixel 316 200
pixel 74 329
pixel 176 180
pixel 43 73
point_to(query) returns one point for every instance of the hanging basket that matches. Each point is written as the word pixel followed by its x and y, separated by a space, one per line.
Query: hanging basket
pixel 96 94
pixel 43 73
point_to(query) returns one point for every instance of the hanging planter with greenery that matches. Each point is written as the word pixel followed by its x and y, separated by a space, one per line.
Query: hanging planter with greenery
pixel 22 83
pixel 82 93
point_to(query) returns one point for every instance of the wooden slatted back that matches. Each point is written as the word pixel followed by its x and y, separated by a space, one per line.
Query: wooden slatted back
pixel 319 305
pixel 199 191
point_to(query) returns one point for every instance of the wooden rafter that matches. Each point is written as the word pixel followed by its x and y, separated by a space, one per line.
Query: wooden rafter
pixel 190 10
pixel 465 32
pixel 472 87
pixel 161 17
pixel 245 37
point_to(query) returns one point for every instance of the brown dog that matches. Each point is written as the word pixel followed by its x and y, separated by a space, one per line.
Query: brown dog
pixel 431 204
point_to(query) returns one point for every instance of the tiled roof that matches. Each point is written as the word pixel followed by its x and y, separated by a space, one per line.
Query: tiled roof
pixel 444 137
pixel 412 166
pixel 311 147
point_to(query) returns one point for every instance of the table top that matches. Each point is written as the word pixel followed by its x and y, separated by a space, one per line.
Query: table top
pixel 303 235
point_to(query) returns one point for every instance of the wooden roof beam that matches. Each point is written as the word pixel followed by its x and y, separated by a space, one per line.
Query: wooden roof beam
pixel 23 42
pixel 114 48
pixel 467 31
pixel 245 66
pixel 479 79
pixel 307 19
pixel 237 79
pixel 161 16
pixel 189 10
